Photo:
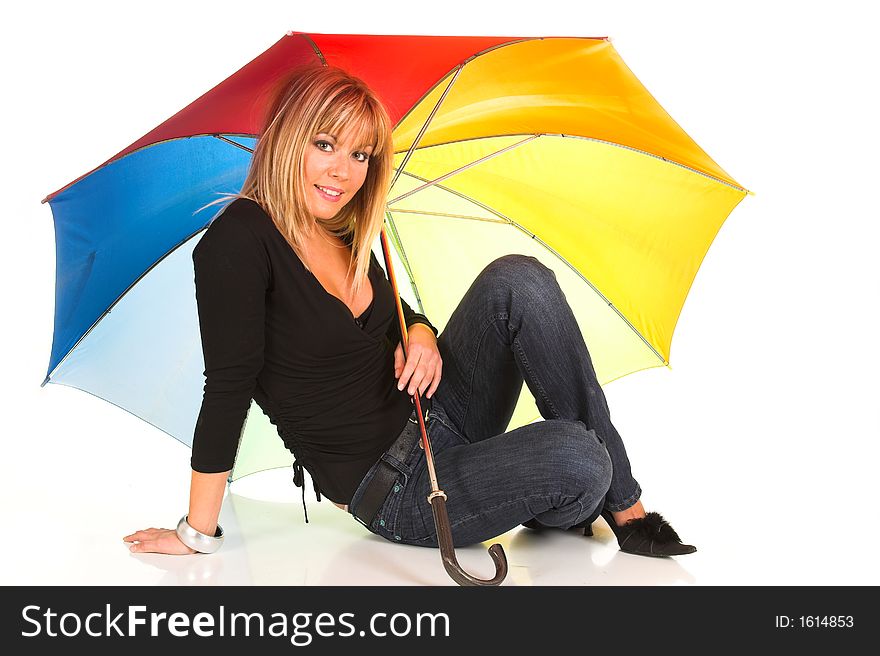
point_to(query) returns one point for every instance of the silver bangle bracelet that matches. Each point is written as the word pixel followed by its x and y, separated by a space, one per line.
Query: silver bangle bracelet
pixel 201 542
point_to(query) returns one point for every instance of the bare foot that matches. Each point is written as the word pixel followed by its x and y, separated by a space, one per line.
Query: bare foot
pixel 635 511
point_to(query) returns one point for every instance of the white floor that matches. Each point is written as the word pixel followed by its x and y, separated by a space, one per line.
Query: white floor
pixel 268 543
pixel 85 474
pixel 760 445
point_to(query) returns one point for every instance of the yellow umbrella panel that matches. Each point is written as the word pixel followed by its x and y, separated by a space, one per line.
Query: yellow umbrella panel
pixel 552 148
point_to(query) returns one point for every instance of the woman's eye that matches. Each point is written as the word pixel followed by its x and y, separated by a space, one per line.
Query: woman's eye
pixel 321 144
pixel 362 157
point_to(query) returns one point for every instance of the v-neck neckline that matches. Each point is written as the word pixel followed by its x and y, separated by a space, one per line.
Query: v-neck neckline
pixel 335 297
pixel 354 320
pixel 320 285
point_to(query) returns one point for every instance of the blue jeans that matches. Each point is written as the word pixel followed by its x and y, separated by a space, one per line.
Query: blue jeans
pixel 513 325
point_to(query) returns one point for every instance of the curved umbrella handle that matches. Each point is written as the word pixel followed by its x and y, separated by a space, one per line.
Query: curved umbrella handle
pixel 447 550
pixel 437 498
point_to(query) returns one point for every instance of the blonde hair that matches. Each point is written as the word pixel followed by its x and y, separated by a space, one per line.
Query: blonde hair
pixel 313 99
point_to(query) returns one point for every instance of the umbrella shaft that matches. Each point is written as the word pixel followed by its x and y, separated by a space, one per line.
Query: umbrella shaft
pixel 426 444
pixel 429 454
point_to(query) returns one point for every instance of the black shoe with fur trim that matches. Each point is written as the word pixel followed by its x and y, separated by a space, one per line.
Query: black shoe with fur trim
pixel 650 535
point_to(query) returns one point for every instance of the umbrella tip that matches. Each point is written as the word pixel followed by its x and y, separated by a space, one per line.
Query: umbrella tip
pixel 43 384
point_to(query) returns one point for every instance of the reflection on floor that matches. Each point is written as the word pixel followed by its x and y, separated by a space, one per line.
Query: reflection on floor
pixel 268 543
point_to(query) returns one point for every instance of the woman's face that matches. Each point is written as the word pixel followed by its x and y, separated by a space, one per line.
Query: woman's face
pixel 334 169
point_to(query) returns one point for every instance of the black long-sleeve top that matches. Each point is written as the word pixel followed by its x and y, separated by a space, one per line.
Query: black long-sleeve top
pixel 272 333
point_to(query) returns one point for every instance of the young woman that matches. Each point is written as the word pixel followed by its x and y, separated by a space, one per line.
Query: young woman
pixel 296 313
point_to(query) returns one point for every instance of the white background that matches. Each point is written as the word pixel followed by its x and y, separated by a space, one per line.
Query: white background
pixel 759 444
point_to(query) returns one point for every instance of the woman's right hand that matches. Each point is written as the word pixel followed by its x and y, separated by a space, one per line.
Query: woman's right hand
pixel 157 540
pixel 206 497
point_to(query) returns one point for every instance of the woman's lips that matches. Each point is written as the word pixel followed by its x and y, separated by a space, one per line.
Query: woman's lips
pixel 326 196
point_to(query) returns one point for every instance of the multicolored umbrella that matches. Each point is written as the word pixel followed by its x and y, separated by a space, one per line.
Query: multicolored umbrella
pixel 543 146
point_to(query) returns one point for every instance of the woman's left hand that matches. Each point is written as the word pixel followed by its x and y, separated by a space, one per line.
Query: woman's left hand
pixel 422 366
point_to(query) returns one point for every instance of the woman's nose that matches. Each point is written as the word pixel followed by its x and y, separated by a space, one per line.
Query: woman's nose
pixel 339 167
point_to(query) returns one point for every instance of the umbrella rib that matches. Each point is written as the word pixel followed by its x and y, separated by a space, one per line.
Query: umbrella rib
pixel 555 254
pixel 116 302
pixel 469 217
pixel 445 176
pixel 233 143
pixel 427 122
pixel 486 51
pixel 399 245
pixel 113 159
pixel 314 45
pixel 397 173
pixel 599 141
pixel 132 413
pixel 159 428
pixel 455 70
pixel 592 286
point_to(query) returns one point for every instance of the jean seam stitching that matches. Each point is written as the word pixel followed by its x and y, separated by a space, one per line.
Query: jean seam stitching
pixel 534 378
pixel 473 369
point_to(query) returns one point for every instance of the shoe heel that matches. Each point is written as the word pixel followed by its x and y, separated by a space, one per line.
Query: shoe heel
pixel 650 535
pixel 617 530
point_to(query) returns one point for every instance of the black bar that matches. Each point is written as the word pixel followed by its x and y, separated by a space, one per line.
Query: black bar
pixel 652 620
